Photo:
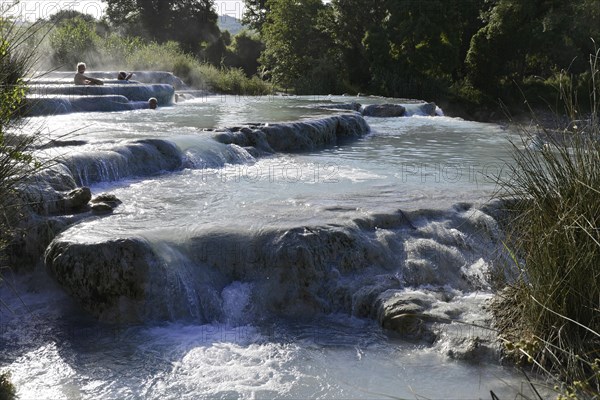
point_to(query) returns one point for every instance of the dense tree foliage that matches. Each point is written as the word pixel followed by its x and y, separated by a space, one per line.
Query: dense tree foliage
pixel 244 52
pixel 255 13
pixel 191 23
pixel 299 50
pixel 426 48
pixel 475 49
pixel 64 15
pixel 417 47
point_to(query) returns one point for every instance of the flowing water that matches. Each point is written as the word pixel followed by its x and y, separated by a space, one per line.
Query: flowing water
pixel 239 310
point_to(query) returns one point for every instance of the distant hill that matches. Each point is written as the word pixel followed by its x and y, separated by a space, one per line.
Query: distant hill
pixel 231 24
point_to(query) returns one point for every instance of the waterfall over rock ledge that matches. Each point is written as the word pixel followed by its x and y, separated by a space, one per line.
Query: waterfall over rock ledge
pixel 54 93
pixel 297 136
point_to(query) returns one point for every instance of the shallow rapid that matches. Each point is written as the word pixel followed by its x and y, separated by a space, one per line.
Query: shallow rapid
pixel 241 265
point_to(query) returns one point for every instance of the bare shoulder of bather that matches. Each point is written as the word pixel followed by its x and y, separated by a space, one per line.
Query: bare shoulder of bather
pixel 81 79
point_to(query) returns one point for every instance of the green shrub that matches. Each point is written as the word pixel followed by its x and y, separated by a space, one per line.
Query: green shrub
pixel 169 57
pixel 115 48
pixel 72 41
pixel 235 81
pixel 550 316
pixel 7 389
pixel 16 161
pixel 244 52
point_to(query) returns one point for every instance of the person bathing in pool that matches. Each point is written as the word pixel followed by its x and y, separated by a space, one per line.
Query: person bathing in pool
pixel 124 76
pixel 81 79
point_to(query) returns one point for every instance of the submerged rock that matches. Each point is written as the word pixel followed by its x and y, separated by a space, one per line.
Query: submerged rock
pixel 76 199
pixel 371 266
pixel 44 200
pixel 67 98
pixel 108 278
pixel 62 143
pixel 469 348
pixel 253 140
pixel 104 203
pixel 383 110
pixel 107 198
pixel 405 314
pixel 136 158
pixel 429 109
pixel 101 208
pixel 354 106
pixel 388 110
pixel 145 77
pixel 41 212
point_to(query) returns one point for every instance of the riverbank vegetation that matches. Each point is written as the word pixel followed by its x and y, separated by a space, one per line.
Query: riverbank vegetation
pixel 470 52
pixel 17 55
pixel 550 315
pixel 465 56
pixel 7 389
pixel 77 37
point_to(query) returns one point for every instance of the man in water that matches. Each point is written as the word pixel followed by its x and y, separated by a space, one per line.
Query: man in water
pixel 152 103
pixel 124 76
pixel 81 79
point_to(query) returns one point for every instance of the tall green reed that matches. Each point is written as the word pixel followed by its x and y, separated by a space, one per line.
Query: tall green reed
pixel 550 316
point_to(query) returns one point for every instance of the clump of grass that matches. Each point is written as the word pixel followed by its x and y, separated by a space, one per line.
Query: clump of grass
pixel 7 389
pixel 169 57
pixel 550 316
pixel 17 165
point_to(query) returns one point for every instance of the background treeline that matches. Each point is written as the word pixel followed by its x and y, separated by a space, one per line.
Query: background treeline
pixel 479 50
pixel 476 51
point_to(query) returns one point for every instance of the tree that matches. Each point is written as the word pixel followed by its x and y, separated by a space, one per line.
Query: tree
pixel 245 51
pixel 523 38
pixel 405 47
pixel 426 48
pixel 299 52
pixel 63 15
pixel 192 23
pixel 352 20
pixel 255 13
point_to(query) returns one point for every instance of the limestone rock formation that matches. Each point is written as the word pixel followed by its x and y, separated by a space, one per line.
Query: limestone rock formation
pixel 383 110
pixel 108 278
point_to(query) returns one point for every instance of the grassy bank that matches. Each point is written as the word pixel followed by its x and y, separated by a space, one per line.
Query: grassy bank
pixel 550 316
pixel 168 57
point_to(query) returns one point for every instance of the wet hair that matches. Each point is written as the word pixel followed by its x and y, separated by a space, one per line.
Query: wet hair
pixel 122 75
pixel 81 64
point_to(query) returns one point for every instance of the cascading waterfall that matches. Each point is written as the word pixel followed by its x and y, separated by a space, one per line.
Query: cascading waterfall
pixel 327 257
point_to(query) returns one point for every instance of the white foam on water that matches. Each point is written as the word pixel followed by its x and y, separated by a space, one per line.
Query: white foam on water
pixel 237 303
pixel 330 357
pixel 43 374
pixel 405 162
pixel 229 370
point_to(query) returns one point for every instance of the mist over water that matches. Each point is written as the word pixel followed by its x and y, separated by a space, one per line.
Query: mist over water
pixel 271 270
